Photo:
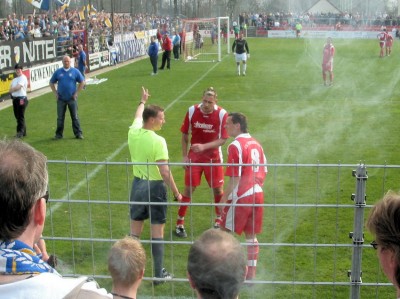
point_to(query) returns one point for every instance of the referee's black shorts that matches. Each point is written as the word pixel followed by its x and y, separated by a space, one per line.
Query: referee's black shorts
pixel 145 191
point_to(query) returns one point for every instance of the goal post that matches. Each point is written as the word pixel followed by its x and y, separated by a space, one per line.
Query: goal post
pixel 205 40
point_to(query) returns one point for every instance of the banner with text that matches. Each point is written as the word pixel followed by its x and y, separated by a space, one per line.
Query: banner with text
pixel 39 76
pixel 27 52
pixel 98 60
pixel 5 83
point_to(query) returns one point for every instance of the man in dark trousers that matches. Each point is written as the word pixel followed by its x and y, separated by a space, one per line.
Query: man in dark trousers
pixel 66 94
pixel 167 47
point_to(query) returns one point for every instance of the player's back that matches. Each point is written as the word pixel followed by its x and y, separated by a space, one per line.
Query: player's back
pixel 251 152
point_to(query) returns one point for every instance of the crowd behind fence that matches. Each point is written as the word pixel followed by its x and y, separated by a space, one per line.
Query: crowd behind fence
pixel 312 245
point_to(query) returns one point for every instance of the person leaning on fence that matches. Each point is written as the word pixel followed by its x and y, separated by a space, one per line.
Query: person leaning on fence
pixel 126 264
pixel 383 222
pixel 23 199
pixel 216 265
pixel 149 183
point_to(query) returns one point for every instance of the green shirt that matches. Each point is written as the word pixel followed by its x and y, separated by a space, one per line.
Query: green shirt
pixel 146 146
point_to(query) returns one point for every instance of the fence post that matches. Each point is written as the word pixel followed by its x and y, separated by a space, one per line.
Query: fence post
pixel 358 235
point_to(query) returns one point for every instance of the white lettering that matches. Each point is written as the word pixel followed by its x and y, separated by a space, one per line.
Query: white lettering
pixel 27 52
pixel 5 57
pixel 203 126
pixel 50 52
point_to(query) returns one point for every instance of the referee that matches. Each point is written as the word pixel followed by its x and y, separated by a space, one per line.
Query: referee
pixel 150 181
pixel 241 53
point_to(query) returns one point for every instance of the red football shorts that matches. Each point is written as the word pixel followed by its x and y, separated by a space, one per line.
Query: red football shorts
pixel 214 175
pixel 244 218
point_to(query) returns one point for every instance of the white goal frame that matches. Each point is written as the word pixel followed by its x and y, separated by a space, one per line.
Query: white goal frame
pixel 193 50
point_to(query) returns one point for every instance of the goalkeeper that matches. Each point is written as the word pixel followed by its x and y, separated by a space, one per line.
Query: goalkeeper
pixel 240 48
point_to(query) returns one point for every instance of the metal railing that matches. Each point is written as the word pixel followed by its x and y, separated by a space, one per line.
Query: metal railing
pixel 305 249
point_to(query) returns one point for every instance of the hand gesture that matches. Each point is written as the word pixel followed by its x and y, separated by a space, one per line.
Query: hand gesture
pixel 145 95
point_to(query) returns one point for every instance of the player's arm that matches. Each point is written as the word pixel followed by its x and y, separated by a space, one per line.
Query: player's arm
pixel 143 100
pixel 229 187
pixel 185 146
pixel 247 47
pixel 198 147
pixel 169 179
pixel 233 46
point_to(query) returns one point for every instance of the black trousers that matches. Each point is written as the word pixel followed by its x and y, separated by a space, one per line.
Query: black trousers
pixel 154 61
pixel 175 49
pixel 19 106
pixel 166 57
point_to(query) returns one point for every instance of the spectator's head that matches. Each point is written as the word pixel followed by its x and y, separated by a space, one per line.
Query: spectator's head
pixel 216 265
pixel 23 191
pixel 126 263
pixel 383 222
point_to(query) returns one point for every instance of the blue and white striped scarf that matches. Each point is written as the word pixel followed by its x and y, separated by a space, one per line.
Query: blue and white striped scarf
pixel 17 258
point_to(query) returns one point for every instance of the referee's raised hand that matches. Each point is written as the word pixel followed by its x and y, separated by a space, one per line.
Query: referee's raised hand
pixel 145 95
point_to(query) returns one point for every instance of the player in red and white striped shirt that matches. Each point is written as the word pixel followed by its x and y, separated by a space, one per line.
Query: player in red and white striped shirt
pixel 245 187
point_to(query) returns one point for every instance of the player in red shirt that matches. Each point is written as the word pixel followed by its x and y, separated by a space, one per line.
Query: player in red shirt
pixel 382 36
pixel 327 61
pixel 206 124
pixel 388 44
pixel 245 187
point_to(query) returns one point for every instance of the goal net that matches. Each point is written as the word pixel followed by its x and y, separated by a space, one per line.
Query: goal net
pixel 205 40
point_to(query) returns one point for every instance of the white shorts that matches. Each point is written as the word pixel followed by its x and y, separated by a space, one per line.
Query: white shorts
pixel 241 57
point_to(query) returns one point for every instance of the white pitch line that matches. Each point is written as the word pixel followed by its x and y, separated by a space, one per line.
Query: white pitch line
pixel 94 172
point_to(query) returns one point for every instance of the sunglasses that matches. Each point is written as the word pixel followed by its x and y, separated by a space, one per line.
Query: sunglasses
pixel 374 244
pixel 46 196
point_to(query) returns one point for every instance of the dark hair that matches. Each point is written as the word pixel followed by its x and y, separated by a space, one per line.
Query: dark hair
pixel 217 265
pixel 18 66
pixel 239 118
pixel 151 111
pixel 23 180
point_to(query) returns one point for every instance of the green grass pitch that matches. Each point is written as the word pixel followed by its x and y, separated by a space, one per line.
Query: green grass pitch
pixel 295 117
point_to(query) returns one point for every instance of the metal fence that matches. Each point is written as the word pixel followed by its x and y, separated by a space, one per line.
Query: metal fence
pixel 313 243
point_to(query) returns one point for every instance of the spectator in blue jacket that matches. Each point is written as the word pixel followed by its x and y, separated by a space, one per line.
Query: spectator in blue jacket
pixel 153 53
